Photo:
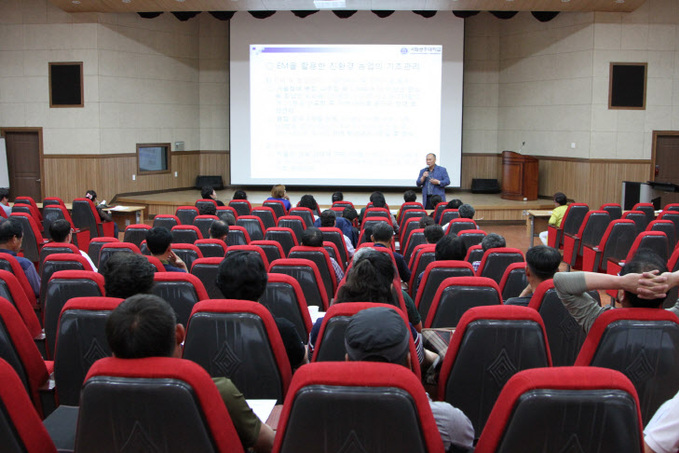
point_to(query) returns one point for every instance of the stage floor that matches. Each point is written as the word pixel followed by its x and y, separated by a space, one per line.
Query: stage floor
pixel 490 208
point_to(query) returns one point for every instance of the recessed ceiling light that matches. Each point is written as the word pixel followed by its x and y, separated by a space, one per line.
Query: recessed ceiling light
pixel 619 1
pixel 127 1
pixel 75 2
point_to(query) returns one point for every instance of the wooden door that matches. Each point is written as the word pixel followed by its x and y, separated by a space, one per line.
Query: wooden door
pixel 24 159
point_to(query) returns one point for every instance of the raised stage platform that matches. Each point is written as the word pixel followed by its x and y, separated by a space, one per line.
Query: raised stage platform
pixel 490 208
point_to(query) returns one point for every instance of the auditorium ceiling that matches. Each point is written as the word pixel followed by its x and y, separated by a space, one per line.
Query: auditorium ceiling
pixel 109 6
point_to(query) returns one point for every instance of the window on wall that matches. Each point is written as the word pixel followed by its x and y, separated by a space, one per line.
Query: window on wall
pixel 66 84
pixel 153 158
pixel 627 86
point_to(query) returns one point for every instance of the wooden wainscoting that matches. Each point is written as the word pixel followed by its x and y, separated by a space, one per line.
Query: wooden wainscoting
pixel 215 163
pixel 69 176
pixel 480 165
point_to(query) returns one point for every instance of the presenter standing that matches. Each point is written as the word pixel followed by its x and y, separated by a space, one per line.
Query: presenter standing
pixel 433 179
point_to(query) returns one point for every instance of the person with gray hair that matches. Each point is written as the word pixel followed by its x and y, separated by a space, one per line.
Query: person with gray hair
pixel 491 241
pixel 382 236
pixel 465 211
pixel 379 335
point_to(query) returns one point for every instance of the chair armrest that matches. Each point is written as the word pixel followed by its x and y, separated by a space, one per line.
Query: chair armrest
pixel 591 257
pixel 40 343
pixel 571 245
pixel 48 396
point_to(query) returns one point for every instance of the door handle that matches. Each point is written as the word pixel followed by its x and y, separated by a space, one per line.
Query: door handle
pixel 37 180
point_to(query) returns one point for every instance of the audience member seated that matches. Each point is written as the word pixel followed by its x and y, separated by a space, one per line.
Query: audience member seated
pixel 351 215
pixel 146 326
pixel 208 193
pixel 435 200
pixel 4 202
pixel 560 207
pixel 159 242
pixel 207 209
pixel 542 262
pixel 661 434
pixel 11 237
pixel 409 196
pixel 60 231
pixel 242 276
pixel 432 233
pixel 491 241
pixel 382 236
pixel 328 218
pixel 103 215
pixel 337 196
pixel 313 237
pixel 465 211
pixel 378 201
pixel 240 195
pixel 379 335
pixel 643 282
pixel 425 221
pixel 447 248
pixel 278 193
pixel 219 230
pixel 308 201
pixel 127 274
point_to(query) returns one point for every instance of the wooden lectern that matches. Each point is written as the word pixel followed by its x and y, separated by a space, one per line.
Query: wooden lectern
pixel 519 176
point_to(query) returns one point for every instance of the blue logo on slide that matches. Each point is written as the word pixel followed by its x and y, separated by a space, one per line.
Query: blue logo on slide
pixel 404 50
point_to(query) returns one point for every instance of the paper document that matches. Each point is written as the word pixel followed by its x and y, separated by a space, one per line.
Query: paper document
pixel 261 408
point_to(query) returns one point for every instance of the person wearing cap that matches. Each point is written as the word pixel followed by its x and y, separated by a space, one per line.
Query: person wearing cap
pixel 379 334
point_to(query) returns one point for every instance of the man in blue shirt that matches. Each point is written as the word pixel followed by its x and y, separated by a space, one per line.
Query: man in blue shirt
pixel 11 237
pixel 433 179
pixel 159 242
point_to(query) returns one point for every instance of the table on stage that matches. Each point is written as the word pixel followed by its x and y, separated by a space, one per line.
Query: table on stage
pixel 537 218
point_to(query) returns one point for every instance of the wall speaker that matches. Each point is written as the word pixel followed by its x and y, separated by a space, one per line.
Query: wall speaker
pixel 216 182
pixel 485 186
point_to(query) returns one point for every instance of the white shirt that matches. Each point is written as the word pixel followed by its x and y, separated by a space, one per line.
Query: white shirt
pixel 89 260
pixel 662 432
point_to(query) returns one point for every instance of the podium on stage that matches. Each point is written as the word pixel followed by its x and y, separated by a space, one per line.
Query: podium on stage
pixel 519 176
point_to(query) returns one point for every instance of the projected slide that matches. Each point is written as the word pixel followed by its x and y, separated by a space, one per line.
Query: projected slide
pixel 340 104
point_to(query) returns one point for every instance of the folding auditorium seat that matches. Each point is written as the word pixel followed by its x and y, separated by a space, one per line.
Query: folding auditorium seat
pixel 166 221
pixel 136 233
pixel 471 237
pixel 420 259
pixel 29 201
pixel 334 253
pixel 456 295
pixel 207 269
pixel 187 253
pixel 671 207
pixel 52 201
pixel 32 240
pixel 242 207
pixel 86 217
pixel 565 409
pixel 257 251
pixel 646 208
pixel 61 287
pixel 672 266
pixel 155 262
pixel 295 223
pixel 335 235
pixel 309 278
pixel 121 401
pixel 639 218
pixel 343 204
pixel 564 334
pixel 474 253
pixel 342 406
pixel 95 247
pixel 438 210
pixel 110 248
pixel 434 274
pixel 182 291
pixel 382 213
pixel 305 213
pixel 321 257
pixel 672 216
pixel 224 211
pixel 186 234
pixel 10 264
pixel 643 344
pixel 186 214
pixel 81 342
pixel 415 238
pixel 330 346
pixel 277 206
pixel 457 225
pixel 11 291
pixel 409 225
pixel 205 202
pixel 410 214
pixel 239 339
pixel 284 236
pixel 272 249
pixel 22 430
pixel 667 227
pixel 408 206
pixel 572 219
pixel 253 225
pixel 590 233
pixel 211 248
pixel 237 235
pixel 370 222
pixel 19 350
pixel 614 244
pixel 50 213
pixel 475 369
pixel 30 210
pixel 449 214
pixel 266 214
pixel 613 209
pixel 55 247
pixel 513 280
pixel 283 297
pixel 61 262
pixel 495 262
